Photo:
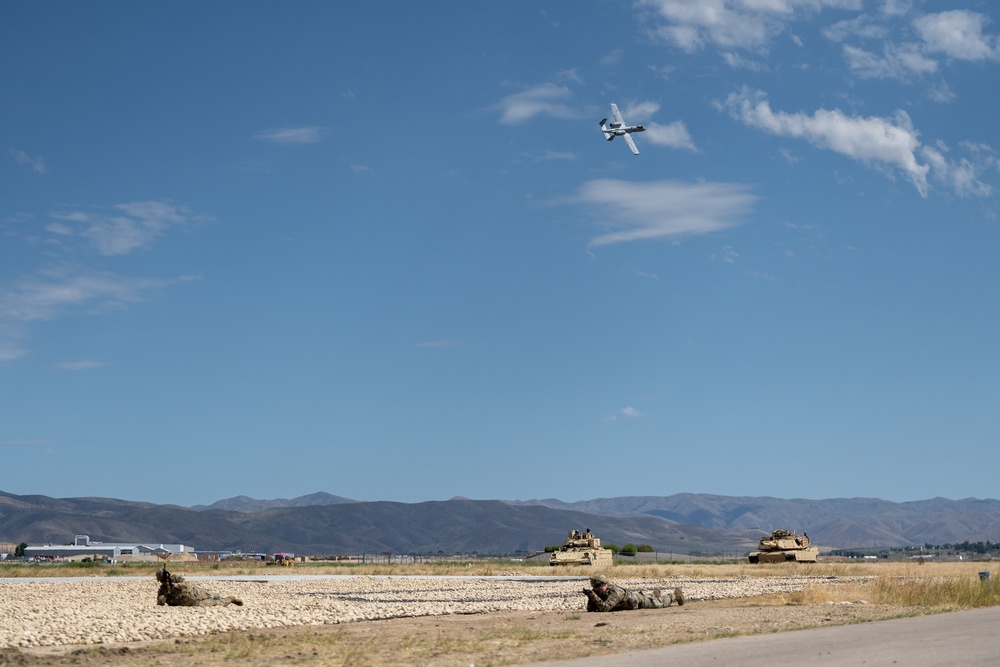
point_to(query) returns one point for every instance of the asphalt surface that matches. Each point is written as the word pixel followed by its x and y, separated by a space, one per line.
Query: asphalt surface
pixel 967 638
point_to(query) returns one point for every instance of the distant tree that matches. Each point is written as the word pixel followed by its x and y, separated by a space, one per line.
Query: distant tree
pixel 628 549
pixel 644 548
pixel 19 550
pixel 613 548
pixel 552 547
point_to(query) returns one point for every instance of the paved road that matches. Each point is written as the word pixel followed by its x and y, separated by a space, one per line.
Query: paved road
pixel 966 638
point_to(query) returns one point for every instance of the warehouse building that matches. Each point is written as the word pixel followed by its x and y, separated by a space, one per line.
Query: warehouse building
pixel 82 547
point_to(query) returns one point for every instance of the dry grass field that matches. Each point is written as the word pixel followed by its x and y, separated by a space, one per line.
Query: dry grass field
pixel 834 593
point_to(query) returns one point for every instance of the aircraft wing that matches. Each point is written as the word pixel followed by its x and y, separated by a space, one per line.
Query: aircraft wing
pixel 631 143
pixel 616 115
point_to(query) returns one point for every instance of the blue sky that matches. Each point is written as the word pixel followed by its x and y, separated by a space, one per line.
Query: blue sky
pixel 383 250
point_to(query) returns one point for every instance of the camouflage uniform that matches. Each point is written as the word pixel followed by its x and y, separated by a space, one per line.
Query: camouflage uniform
pixel 176 592
pixel 616 598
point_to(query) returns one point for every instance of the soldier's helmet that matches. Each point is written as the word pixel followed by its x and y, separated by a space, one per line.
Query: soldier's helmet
pixel 598 579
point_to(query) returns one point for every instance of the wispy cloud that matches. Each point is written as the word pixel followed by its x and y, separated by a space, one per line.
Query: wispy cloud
pixel 736 61
pixel 558 155
pixel 891 143
pixel 958 34
pixel 311 134
pixel 886 141
pixel 36 164
pixel 674 135
pixel 627 412
pixel 864 26
pixel 895 62
pixel 729 255
pixel 962 173
pixel 729 24
pixel 55 293
pixel 657 210
pixel 66 287
pixel 135 225
pixel 548 99
pixel 612 58
pixel 51 293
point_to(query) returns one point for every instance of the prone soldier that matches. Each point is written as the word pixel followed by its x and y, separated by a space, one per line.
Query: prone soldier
pixel 175 592
pixel 606 596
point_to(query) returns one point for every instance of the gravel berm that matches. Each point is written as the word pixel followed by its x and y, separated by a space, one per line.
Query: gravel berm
pixel 90 611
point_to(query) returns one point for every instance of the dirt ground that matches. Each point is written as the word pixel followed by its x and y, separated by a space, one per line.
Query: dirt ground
pixel 483 640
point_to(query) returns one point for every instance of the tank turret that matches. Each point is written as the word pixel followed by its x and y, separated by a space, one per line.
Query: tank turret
pixel 782 546
pixel 582 549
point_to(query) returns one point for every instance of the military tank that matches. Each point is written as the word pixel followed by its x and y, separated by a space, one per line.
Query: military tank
pixel 782 546
pixel 582 549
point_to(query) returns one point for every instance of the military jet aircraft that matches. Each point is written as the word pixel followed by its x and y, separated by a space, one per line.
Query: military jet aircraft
pixel 618 128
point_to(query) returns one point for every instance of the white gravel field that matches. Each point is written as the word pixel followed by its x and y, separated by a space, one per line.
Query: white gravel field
pixel 105 611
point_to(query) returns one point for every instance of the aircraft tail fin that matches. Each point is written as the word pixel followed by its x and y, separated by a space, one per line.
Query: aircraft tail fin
pixel 608 135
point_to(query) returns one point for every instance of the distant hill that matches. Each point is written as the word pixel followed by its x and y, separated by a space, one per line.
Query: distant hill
pixel 835 522
pixel 322 523
pixel 248 504
pixel 451 526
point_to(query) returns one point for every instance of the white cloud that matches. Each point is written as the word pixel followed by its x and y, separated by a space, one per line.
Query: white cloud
pixel 896 62
pixel 544 99
pixel 736 61
pixel 292 135
pixel 10 341
pixel 728 255
pixel 558 155
pixel 67 289
pixel 626 412
pixel 62 292
pixel 862 27
pixel 958 34
pixel 36 164
pixel 612 58
pixel 657 210
pixel 741 24
pixel 637 112
pixel 962 173
pixel 788 155
pixel 896 7
pixel 54 292
pixel 674 135
pixel 138 225
pixel 874 140
pixel 940 92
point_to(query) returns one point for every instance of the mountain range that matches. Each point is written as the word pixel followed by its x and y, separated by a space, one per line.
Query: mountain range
pixel 322 523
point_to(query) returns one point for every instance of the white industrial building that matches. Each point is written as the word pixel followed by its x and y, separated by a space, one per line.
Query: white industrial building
pixel 83 547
